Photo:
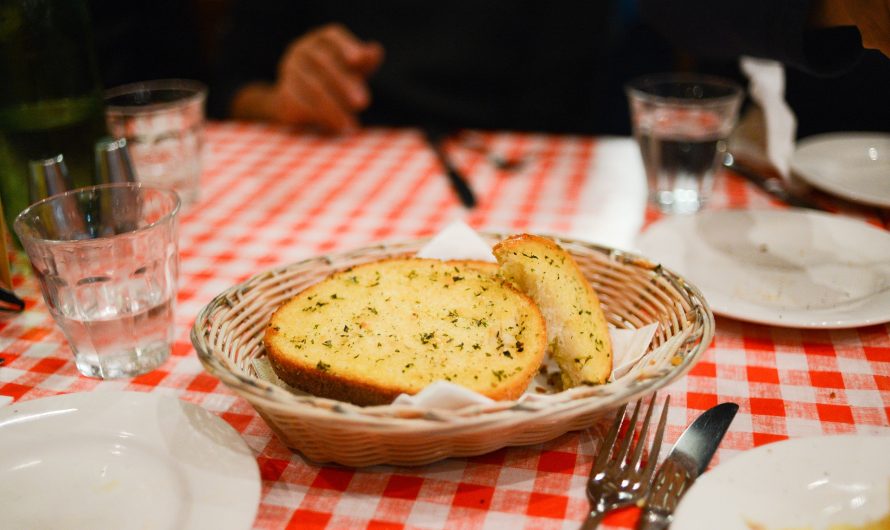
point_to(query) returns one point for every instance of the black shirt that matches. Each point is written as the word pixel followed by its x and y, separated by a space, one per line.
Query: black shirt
pixel 510 64
pixel 560 65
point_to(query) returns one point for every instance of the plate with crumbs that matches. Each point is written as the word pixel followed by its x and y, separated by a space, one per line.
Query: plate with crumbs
pixel 791 267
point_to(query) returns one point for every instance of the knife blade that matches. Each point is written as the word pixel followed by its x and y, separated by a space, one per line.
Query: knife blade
pixel 688 458
pixel 772 185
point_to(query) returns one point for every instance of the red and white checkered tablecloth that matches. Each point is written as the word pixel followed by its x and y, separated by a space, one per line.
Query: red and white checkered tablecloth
pixel 270 196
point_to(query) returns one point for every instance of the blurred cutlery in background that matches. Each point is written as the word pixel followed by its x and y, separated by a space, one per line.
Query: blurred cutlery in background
pixel 435 138
pixel 774 185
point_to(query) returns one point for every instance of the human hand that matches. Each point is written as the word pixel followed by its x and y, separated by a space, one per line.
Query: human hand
pixel 322 79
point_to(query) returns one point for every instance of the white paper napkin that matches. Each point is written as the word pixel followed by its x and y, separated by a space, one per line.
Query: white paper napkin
pixel 443 395
pixel 767 88
pixel 457 241
pixel 628 347
pixel 5 400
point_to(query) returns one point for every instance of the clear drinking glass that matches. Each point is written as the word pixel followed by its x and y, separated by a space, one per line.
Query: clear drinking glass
pixel 682 122
pixel 163 123
pixel 107 260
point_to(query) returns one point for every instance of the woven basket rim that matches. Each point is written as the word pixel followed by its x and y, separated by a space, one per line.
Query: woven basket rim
pixel 439 420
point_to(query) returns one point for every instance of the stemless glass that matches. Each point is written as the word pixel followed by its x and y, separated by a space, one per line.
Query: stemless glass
pixel 163 123
pixel 107 260
pixel 682 122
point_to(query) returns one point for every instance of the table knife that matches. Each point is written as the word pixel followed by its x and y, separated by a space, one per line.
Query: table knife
pixel 687 460
pixel 434 138
pixel 772 185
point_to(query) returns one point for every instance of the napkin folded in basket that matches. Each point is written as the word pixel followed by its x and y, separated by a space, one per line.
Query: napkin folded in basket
pixel 459 241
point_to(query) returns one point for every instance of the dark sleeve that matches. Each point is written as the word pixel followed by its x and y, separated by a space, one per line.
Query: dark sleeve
pixel 252 41
pixel 771 29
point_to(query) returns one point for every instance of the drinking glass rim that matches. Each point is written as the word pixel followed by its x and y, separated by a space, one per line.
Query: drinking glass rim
pixel 198 89
pixel 19 219
pixel 636 86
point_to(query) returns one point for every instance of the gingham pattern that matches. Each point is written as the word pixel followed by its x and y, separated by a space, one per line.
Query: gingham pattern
pixel 270 196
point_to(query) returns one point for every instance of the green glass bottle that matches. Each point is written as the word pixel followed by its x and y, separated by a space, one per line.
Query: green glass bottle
pixel 50 93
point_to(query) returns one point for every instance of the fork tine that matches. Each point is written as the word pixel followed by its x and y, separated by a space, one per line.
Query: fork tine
pixel 656 441
pixel 625 443
pixel 644 431
pixel 608 442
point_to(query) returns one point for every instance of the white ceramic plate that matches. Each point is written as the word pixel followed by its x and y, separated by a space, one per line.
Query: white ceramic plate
pixel 854 166
pixel 123 460
pixel 807 483
pixel 796 268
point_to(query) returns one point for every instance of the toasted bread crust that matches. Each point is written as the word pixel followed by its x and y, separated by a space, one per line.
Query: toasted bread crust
pixel 371 332
pixel 576 326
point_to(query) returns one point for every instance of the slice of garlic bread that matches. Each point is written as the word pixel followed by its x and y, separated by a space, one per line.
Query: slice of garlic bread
pixel 371 332
pixel 576 327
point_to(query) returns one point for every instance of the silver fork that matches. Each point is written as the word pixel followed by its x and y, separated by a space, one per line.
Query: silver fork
pixel 615 480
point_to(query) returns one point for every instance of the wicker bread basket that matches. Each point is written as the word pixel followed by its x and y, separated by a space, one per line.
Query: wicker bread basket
pixel 634 292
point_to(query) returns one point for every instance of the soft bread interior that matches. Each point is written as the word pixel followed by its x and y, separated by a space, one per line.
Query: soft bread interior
pixel 577 331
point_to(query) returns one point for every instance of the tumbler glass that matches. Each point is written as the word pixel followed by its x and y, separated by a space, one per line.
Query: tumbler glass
pixel 107 260
pixel 163 123
pixel 682 122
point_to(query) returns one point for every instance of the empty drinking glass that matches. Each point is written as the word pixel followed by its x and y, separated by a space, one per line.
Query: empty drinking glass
pixel 682 122
pixel 107 260
pixel 163 124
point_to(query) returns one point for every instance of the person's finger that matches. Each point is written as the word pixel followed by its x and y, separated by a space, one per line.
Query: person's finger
pixel 373 56
pixel 324 108
pixel 341 80
pixel 363 57
pixel 317 83
pixel 348 47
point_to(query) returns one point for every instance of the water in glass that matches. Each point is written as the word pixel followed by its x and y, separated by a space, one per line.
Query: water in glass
pixel 107 260
pixel 680 152
pixel 681 123
pixel 116 329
